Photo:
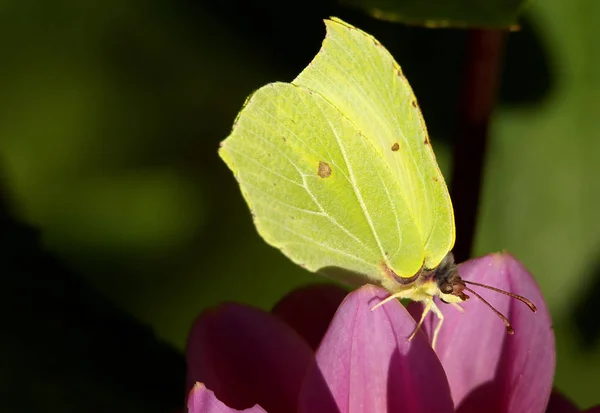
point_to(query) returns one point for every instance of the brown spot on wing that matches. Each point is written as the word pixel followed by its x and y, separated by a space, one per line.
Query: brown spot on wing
pixel 324 169
pixel 414 103
pixel 395 147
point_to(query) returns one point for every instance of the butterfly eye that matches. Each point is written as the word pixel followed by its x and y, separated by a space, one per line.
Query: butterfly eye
pixel 446 288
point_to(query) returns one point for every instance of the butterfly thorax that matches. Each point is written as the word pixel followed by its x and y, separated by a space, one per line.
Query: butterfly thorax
pixel 443 281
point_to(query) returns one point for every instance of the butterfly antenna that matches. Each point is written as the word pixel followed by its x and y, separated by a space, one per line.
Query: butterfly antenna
pixel 509 328
pixel 498 290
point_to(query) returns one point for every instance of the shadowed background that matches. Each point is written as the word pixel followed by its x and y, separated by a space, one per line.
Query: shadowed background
pixel 120 223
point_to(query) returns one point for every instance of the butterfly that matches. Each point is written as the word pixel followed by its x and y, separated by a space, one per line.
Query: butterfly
pixel 340 175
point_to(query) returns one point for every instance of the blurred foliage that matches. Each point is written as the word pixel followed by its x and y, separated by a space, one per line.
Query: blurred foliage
pixel 443 13
pixel 66 348
pixel 112 113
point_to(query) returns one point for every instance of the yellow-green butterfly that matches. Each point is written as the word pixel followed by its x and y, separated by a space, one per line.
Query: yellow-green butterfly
pixel 338 171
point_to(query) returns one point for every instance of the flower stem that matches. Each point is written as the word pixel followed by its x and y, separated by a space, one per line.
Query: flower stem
pixel 483 63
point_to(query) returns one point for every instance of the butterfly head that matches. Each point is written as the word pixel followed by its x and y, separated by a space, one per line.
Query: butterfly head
pixel 449 282
pixel 452 286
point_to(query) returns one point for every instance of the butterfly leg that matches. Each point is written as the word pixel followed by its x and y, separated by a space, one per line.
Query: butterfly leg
pixel 428 307
pixel 458 307
pixel 440 315
pixel 386 300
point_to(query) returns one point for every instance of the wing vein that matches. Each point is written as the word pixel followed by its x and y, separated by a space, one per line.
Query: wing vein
pixel 280 202
pixel 312 196
pixel 305 146
pixel 261 165
pixel 357 193
pixel 316 242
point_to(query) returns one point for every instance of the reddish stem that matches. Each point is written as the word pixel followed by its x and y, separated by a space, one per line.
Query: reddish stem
pixel 483 62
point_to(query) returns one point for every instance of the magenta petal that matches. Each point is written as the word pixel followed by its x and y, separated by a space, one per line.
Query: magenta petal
pixel 309 310
pixel 488 369
pixel 247 357
pixel 202 400
pixel 366 364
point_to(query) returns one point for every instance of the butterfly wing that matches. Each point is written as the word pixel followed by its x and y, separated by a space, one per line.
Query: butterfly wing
pixel 357 75
pixel 318 189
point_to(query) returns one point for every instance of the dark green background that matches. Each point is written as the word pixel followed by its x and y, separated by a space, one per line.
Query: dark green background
pixel 110 118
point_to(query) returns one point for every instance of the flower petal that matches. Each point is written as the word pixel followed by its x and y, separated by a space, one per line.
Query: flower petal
pixel 488 369
pixel 366 364
pixel 247 357
pixel 309 310
pixel 202 400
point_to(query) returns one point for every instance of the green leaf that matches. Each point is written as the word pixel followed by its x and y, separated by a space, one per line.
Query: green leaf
pixel 337 167
pixel 444 13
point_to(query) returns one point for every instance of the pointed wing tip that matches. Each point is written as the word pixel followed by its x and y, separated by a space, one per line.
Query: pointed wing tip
pixel 333 21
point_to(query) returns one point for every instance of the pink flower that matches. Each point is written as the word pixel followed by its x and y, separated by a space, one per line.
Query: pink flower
pixel 307 357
